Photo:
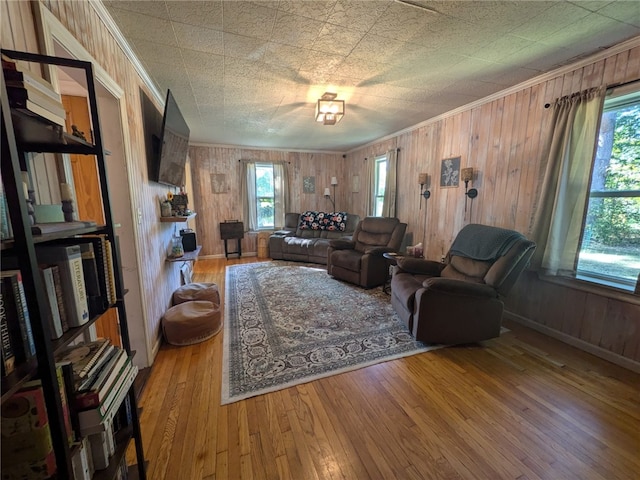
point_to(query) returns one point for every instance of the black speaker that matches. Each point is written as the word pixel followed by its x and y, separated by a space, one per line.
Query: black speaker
pixel 188 240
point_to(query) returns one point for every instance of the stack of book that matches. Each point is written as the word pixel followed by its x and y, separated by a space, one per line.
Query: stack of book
pixel 30 93
pixel 98 376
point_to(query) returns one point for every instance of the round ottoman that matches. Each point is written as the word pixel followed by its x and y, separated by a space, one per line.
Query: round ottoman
pixel 191 322
pixel 197 291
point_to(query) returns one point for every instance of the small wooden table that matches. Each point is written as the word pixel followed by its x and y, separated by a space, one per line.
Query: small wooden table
pixel 230 230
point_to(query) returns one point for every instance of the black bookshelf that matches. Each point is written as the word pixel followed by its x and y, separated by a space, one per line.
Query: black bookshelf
pixel 23 132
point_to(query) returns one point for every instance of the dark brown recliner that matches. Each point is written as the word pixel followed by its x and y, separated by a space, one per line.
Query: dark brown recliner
pixel 360 260
pixel 460 300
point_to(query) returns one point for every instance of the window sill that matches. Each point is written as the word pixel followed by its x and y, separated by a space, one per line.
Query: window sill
pixel 594 288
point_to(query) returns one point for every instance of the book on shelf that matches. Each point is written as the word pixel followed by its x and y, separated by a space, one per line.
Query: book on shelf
pixel 85 358
pixel 21 94
pixel 55 322
pixel 27 449
pixel 98 388
pixel 13 299
pixel 57 282
pixel 55 227
pixel 33 107
pixel 66 368
pixel 8 357
pixel 97 299
pixel 99 250
pixel 96 419
pixel 110 271
pixel 64 400
pixel 102 447
pixel 22 78
pixel 6 231
pixel 81 461
pixel 68 258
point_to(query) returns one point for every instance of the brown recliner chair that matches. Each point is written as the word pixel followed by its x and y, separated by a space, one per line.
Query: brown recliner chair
pixel 460 300
pixel 360 260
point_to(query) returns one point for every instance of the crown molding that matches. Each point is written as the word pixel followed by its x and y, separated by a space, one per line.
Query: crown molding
pixel 108 21
pixel 271 149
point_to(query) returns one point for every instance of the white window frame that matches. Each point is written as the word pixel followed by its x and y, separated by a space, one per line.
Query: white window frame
pixel 624 98
pixel 378 196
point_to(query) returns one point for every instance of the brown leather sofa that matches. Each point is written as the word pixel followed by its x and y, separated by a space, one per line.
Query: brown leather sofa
pixel 460 300
pixel 360 260
pixel 306 245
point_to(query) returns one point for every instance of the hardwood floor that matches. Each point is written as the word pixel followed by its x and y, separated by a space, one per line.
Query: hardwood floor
pixel 523 406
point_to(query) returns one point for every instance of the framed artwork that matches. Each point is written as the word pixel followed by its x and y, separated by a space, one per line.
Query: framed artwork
pixel 218 183
pixel 450 172
pixel 309 184
pixel 355 184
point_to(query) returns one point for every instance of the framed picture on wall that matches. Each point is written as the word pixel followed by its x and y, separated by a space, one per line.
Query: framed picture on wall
pixel 218 183
pixel 309 184
pixel 450 172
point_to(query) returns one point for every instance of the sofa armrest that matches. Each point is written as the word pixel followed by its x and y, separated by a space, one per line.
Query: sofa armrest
pixel 340 244
pixel 420 266
pixel 459 287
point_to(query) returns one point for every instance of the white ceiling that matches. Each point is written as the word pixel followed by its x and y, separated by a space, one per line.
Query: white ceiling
pixel 249 73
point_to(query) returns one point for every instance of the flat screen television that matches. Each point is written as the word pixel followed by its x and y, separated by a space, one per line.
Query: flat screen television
pixel 169 145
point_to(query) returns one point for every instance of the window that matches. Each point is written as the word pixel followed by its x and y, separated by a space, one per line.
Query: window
pixel 265 195
pixel 380 179
pixel 610 247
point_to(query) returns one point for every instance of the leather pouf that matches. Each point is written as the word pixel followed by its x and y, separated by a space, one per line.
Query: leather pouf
pixel 197 291
pixel 191 322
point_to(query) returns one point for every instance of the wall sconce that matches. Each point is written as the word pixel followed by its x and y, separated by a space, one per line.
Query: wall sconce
pixel 327 192
pixel 423 180
pixel 466 175
pixel 329 111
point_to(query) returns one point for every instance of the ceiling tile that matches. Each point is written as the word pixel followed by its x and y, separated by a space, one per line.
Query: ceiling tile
pixel 357 15
pixel 335 39
pixel 198 38
pixel 295 30
pixel 317 9
pixel 152 29
pixel 204 14
pixel 153 8
pixel 239 46
pixel 249 19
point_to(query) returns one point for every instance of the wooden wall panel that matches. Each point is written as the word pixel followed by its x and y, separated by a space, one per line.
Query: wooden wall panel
pixel 213 208
pixel 506 141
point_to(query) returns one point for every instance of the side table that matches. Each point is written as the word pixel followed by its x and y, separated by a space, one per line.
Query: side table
pixel 230 230
pixel 391 258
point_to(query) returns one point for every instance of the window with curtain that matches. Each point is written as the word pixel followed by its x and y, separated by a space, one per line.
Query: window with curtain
pixel 380 180
pixel 610 243
pixel 587 221
pixel 264 197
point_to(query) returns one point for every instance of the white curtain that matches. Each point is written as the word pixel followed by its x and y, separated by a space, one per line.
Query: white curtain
pixel 248 192
pixel 563 197
pixel 281 190
pixel 369 185
pixel 391 184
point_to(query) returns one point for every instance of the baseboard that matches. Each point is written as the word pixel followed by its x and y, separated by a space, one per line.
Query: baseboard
pixel 576 342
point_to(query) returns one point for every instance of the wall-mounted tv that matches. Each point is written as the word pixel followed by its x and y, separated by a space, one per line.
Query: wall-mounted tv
pixel 167 143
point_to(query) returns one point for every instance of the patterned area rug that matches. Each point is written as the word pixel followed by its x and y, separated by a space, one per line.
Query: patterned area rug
pixel 289 323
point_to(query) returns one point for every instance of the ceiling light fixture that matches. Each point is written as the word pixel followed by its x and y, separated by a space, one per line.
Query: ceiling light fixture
pixel 329 111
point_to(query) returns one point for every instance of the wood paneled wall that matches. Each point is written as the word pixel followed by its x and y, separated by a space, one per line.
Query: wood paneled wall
pixel 504 141
pixel 213 208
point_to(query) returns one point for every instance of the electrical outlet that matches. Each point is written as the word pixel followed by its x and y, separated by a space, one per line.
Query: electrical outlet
pixel 442 259
pixel 139 216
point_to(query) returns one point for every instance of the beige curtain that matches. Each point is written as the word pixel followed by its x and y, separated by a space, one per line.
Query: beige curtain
pixel 368 185
pixel 559 217
pixel 391 185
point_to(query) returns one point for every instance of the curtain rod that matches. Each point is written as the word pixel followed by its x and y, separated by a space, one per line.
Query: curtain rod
pixel 263 161
pixel 608 87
